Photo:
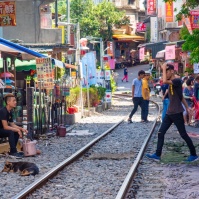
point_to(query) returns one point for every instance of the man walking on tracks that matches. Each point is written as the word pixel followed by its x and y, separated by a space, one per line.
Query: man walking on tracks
pixel 137 94
pixel 174 114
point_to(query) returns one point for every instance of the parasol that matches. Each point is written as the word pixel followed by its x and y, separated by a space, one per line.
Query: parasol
pixel 6 74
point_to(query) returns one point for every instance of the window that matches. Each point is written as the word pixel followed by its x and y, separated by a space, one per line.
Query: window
pixel 131 1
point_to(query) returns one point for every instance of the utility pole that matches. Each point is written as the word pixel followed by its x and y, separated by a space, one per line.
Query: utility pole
pixel 68 21
pixel 56 14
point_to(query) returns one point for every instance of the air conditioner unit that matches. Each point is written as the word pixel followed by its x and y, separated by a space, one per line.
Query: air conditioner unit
pixel 171 25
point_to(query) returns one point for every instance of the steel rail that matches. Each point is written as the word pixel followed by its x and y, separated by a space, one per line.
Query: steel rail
pixel 127 181
pixel 43 179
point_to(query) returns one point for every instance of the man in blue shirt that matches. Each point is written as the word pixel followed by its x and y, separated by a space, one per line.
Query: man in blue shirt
pixel 137 94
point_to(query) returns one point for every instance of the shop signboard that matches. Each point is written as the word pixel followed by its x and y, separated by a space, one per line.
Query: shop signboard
pixel 141 53
pixel 194 19
pixel 169 11
pixel 110 50
pixel 89 69
pixel 140 27
pixel 73 74
pixel 111 63
pixel 108 96
pixel 7 13
pixel 196 68
pixel 107 75
pixel 154 29
pixel 170 52
pixel 99 77
pixel 45 73
pixel 65 91
pixel 151 7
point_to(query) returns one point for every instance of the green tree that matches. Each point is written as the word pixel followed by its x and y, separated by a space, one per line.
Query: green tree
pixel 192 44
pixel 96 20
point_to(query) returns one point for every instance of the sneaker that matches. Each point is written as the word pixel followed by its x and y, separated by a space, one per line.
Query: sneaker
pixel 20 152
pixel 192 158
pixel 16 155
pixel 153 157
pixel 130 121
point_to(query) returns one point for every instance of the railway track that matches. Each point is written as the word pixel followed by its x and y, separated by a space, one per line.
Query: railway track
pixel 90 153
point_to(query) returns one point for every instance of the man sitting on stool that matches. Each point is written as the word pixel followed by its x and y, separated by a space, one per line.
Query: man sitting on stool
pixel 7 126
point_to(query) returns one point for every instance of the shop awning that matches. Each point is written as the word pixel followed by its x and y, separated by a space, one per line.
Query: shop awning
pixel 25 54
pixel 15 49
pixel 160 54
pixel 128 37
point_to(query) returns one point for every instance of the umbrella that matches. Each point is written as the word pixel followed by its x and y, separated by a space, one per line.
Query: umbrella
pixel 6 74
pixel 8 81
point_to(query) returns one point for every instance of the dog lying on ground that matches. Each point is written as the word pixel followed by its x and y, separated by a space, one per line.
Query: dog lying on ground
pixel 24 168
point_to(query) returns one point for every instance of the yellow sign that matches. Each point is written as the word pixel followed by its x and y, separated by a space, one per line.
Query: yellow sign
pixel 73 74
pixel 7 13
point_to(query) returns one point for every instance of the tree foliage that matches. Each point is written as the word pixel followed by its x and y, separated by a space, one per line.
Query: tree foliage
pixel 96 20
pixel 192 44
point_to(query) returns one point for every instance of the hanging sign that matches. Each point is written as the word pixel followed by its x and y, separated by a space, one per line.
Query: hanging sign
pixel 45 73
pixel 108 96
pixel 107 75
pixel 170 52
pixel 169 11
pixel 65 91
pixel 154 29
pixel 194 19
pixel 7 13
pixel 110 50
pixel 99 77
pixel 141 53
pixel 196 68
pixel 151 7
pixel 140 27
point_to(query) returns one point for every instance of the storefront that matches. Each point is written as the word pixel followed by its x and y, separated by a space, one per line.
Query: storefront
pixel 123 45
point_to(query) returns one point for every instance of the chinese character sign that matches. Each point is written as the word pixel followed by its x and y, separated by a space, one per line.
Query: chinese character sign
pixel 169 11
pixel 45 73
pixel 141 53
pixel 196 68
pixel 170 52
pixel 140 27
pixel 107 75
pixel 151 7
pixel 7 13
pixel 194 19
pixel 154 29
pixel 110 50
pixel 99 77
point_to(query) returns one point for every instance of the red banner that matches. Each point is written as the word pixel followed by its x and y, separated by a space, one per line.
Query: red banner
pixel 194 19
pixel 140 27
pixel 151 7
pixel 169 11
pixel 7 13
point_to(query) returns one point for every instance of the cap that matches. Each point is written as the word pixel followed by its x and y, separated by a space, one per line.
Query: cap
pixel 170 67
pixel 147 73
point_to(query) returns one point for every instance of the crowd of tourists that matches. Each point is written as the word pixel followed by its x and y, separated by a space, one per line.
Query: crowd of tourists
pixel 180 97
